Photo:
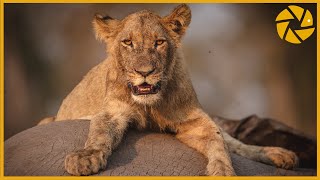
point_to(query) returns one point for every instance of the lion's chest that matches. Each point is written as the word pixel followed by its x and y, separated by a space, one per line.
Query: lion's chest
pixel 157 121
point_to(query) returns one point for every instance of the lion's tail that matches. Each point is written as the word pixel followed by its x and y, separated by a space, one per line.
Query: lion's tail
pixel 46 120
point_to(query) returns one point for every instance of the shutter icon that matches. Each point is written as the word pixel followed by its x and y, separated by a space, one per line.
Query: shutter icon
pixel 298 34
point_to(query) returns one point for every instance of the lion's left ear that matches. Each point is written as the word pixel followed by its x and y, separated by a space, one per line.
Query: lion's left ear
pixel 179 19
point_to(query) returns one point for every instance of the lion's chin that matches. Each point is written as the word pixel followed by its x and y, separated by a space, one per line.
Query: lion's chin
pixel 148 99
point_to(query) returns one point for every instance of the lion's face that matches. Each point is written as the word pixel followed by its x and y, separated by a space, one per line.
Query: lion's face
pixel 145 49
pixel 144 45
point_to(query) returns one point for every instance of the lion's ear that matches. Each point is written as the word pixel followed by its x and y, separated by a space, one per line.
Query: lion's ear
pixel 105 27
pixel 179 19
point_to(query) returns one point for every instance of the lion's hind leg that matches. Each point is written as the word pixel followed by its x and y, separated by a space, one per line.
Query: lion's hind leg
pixel 275 156
pixel 46 120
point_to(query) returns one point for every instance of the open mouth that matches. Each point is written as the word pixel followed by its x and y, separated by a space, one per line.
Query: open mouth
pixel 145 88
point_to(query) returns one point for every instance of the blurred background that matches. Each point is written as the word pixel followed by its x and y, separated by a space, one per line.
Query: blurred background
pixel 238 64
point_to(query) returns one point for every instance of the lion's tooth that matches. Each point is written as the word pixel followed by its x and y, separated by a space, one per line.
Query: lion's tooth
pixel 145 89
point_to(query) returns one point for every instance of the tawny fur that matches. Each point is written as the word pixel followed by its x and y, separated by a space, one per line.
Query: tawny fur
pixel 103 96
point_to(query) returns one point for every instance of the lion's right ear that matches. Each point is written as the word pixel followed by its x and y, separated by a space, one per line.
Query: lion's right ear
pixel 105 27
pixel 179 20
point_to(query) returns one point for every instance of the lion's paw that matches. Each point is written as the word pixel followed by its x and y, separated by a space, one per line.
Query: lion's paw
pixel 85 162
pixel 281 157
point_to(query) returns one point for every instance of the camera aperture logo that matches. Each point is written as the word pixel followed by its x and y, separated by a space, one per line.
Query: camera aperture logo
pixel 295 24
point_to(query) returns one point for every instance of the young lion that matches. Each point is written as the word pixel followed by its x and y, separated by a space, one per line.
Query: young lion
pixel 144 83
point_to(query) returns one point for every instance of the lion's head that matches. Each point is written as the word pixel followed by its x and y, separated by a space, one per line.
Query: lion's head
pixel 145 47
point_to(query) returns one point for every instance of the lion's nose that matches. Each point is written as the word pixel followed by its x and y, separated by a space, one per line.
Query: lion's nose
pixel 145 72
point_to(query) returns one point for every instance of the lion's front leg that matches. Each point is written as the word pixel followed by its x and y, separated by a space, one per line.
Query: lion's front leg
pixel 202 134
pixel 105 134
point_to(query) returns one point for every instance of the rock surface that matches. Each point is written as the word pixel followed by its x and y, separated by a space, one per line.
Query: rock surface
pixel 40 151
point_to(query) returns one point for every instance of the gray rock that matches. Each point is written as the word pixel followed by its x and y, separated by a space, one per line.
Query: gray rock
pixel 40 151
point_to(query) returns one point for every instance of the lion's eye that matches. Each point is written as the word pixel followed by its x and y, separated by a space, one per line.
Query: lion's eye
pixel 159 42
pixel 127 42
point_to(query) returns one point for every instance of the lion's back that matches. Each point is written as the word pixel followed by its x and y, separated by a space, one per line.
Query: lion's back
pixel 87 97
